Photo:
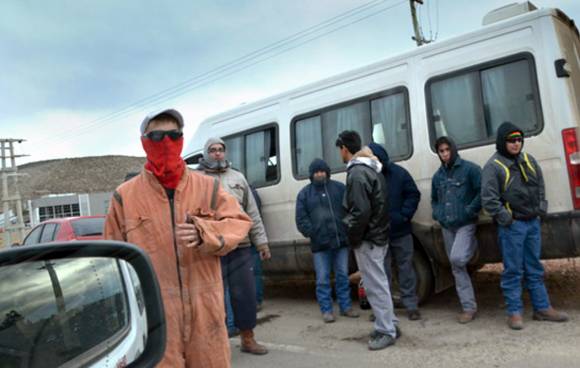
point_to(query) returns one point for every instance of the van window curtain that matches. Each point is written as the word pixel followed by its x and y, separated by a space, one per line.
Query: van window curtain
pixel 390 124
pixel 354 117
pixel 256 158
pixel 308 143
pixel 234 152
pixel 456 110
pixel 508 96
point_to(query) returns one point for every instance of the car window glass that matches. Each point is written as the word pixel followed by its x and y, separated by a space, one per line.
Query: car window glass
pixel 88 226
pixel 33 236
pixel 52 311
pixel 48 233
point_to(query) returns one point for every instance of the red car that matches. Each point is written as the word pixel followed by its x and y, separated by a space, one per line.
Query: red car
pixel 65 229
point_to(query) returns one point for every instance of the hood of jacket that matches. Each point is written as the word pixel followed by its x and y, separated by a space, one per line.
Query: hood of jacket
pixel 318 164
pixel 452 146
pixel 502 132
pixel 366 157
pixel 209 164
pixel 381 154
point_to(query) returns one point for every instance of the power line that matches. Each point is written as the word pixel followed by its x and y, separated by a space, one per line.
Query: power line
pixel 237 64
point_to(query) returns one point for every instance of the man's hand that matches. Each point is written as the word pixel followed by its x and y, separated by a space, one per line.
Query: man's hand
pixel 265 254
pixel 187 235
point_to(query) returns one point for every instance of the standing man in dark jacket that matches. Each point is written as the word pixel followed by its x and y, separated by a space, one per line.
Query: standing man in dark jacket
pixel 456 202
pixel 367 223
pixel 319 215
pixel 513 193
pixel 404 198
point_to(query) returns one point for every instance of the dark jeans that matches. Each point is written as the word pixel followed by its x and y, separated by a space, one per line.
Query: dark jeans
pixel 401 249
pixel 521 246
pixel 238 276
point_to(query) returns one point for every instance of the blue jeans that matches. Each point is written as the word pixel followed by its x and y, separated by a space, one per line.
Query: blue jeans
pixel 258 276
pixel 521 246
pixel 324 262
pixel 229 310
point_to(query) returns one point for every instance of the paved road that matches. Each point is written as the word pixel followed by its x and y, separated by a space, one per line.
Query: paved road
pixel 292 329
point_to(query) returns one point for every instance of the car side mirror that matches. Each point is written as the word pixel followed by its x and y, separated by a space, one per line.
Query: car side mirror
pixel 82 303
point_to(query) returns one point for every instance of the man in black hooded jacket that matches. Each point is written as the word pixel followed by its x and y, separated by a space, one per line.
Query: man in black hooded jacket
pixel 513 193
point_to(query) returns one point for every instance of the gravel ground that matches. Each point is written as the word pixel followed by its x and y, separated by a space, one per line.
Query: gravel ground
pixel 290 325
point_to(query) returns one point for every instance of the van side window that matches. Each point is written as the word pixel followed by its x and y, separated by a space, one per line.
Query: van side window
pixel 382 117
pixel 255 154
pixel 470 105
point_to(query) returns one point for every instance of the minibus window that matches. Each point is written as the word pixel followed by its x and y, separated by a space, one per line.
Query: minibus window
pixel 470 105
pixel 391 126
pixel 353 117
pixel 308 143
pixel 508 96
pixel 255 155
pixel 456 110
pixel 234 152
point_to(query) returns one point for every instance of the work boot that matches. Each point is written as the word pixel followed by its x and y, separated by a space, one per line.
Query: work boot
pixel 413 314
pixel 550 315
pixel 350 313
pixel 249 345
pixel 466 317
pixel 515 322
pixel 328 317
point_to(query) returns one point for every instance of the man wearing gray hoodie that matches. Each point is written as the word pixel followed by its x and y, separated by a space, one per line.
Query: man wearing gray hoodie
pixel 237 266
pixel 367 223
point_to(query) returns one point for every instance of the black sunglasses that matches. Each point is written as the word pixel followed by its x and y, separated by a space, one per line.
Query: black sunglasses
pixel 158 135
pixel 514 140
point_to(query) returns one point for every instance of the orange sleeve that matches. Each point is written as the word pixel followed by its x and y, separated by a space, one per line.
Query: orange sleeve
pixel 232 223
pixel 115 223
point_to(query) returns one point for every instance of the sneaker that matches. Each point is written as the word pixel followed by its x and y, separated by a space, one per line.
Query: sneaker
pixel 515 322
pixel 466 317
pixel 350 313
pixel 379 340
pixel 398 332
pixel 413 315
pixel 550 315
pixel 328 317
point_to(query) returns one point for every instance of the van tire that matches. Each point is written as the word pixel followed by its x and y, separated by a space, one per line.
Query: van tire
pixel 424 276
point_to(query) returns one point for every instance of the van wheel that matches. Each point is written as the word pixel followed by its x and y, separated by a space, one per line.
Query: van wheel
pixel 424 276
pixel 424 279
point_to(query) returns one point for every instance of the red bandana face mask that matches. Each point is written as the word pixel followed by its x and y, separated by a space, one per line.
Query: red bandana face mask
pixel 164 160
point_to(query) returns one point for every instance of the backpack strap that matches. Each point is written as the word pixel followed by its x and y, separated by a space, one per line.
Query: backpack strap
pixel 216 185
pixel 118 198
pixel 506 182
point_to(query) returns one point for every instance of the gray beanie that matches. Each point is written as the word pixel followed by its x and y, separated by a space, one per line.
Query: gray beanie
pixel 151 116
pixel 209 143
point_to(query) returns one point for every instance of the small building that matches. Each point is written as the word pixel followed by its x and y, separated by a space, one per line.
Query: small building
pixel 72 186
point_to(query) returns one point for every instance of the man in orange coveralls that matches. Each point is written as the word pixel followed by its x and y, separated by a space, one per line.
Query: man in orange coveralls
pixel 185 221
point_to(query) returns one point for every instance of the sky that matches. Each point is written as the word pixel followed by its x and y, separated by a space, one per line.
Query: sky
pixel 78 76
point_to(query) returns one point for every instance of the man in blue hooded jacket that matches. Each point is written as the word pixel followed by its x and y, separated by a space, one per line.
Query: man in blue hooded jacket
pixel 404 198
pixel 319 215
pixel 456 202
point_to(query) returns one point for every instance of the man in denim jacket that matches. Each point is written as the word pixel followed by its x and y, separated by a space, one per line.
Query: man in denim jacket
pixel 456 202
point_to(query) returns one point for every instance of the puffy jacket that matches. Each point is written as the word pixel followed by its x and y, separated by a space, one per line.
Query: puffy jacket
pixel 403 194
pixel 319 211
pixel 513 186
pixel 366 201
pixel 455 191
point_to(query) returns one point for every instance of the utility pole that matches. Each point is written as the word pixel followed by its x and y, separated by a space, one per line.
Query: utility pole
pixel 9 170
pixel 418 34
